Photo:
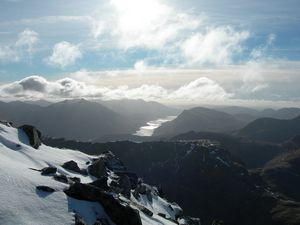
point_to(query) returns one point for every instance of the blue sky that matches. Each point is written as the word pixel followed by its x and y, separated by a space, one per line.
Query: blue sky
pixel 167 44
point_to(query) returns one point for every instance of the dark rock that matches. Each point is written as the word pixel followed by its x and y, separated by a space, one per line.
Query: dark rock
pixel 162 215
pixel 160 191
pixel 34 135
pixel 45 188
pixel 84 192
pixel 101 183
pixel 149 195
pixel 73 166
pixel 118 213
pixel 6 123
pixel 136 194
pixel 142 189
pixel 61 178
pixel 132 177
pixel 97 168
pixel 102 221
pixel 218 222
pixel 125 186
pixel 48 170
pixel 146 211
pixel 75 179
pixel 79 220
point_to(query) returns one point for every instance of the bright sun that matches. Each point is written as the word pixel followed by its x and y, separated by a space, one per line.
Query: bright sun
pixel 136 15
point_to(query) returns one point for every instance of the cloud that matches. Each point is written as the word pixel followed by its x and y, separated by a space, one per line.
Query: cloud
pixel 27 38
pixel 8 54
pixel 202 89
pixel 148 24
pixel 22 48
pixel 64 54
pixel 252 74
pixel 38 87
pixel 216 46
pixel 152 31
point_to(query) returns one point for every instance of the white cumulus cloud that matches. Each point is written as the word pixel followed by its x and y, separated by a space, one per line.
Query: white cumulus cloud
pixel 22 48
pixel 216 46
pixel 64 54
pixel 202 89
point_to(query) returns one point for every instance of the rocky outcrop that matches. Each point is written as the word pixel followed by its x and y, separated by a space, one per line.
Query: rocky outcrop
pixel 34 135
pixel 45 188
pixel 61 178
pixel 97 168
pixel 119 213
pixel 101 183
pixel 48 170
pixel 73 166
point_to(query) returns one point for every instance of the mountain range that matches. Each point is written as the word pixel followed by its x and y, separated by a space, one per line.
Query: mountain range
pixel 271 130
pixel 82 119
pixel 199 119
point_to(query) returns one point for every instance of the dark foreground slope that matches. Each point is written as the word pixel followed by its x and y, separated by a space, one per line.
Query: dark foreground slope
pixel 45 186
pixel 253 154
pixel 283 174
pixel 204 178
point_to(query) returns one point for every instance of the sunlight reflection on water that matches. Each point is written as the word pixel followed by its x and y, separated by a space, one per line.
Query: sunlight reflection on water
pixel 152 125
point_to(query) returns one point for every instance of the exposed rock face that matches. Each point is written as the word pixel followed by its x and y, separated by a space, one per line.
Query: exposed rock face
pixel 45 188
pixel 101 183
pixel 75 179
pixel 48 170
pixel 79 220
pixel 6 123
pixel 97 168
pixel 73 166
pixel 61 178
pixel 125 185
pixel 33 134
pixel 120 214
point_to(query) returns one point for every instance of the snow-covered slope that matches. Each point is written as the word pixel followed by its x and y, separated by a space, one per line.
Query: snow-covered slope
pixel 23 203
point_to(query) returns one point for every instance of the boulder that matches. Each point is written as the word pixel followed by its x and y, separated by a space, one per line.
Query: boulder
pixel 84 192
pixel 120 214
pixel 146 211
pixel 97 168
pixel 45 189
pixel 33 134
pixel 48 170
pixel 61 178
pixel 73 166
pixel 163 215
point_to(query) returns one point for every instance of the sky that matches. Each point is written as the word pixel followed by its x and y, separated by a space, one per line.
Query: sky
pixel 191 51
